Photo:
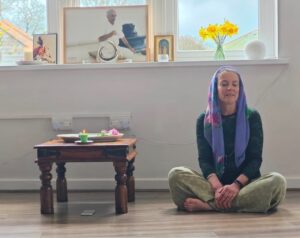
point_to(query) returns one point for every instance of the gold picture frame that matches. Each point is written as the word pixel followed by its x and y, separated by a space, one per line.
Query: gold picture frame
pixel 164 45
pixel 84 27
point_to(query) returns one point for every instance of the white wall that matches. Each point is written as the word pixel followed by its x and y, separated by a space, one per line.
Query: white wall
pixel 164 103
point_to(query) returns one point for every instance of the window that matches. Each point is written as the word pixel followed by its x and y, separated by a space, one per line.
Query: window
pixel 19 19
pixel 168 17
pixel 257 19
pixel 94 3
pixel 193 14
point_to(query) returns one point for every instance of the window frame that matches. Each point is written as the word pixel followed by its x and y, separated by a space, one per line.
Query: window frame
pixel 268 30
pixel 165 22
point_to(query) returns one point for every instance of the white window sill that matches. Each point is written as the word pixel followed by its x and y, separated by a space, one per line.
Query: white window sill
pixel 281 61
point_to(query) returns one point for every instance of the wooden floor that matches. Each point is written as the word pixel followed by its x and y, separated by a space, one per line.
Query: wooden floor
pixel 152 215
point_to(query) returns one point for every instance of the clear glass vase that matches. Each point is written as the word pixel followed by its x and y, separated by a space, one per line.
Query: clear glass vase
pixel 219 54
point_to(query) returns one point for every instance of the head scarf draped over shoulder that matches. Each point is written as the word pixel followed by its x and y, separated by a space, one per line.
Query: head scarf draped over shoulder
pixel 213 130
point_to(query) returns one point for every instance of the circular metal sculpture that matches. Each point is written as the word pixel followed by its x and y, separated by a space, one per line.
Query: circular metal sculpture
pixel 107 52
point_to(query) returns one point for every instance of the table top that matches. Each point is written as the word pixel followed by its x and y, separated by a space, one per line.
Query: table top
pixel 56 143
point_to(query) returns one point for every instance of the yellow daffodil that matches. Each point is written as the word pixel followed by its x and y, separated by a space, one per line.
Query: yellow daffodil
pixel 1 35
pixel 212 30
pixel 2 31
pixel 203 33
pixel 218 33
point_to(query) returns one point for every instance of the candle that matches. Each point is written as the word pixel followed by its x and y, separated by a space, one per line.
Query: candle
pixel 163 58
pixel 83 136
pixel 28 55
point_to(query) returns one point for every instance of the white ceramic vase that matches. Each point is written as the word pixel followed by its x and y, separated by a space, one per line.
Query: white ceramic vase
pixel 255 50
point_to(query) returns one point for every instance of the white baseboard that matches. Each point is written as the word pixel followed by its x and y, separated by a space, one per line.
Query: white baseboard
pixel 82 184
pixel 293 182
pixel 103 184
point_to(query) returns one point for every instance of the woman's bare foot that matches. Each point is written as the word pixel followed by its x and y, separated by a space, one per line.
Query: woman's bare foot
pixel 193 204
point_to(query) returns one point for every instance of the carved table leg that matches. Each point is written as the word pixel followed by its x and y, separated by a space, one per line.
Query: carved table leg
pixel 46 193
pixel 130 181
pixel 61 183
pixel 121 189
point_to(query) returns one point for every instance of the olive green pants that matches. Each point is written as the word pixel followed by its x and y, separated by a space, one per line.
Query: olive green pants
pixel 261 195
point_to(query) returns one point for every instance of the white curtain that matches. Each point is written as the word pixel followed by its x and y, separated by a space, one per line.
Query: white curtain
pixel 55 21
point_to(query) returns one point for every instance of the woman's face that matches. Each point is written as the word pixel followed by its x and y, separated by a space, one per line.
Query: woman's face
pixel 228 88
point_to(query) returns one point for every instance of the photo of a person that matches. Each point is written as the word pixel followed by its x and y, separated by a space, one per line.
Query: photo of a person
pixel 44 48
pixel 164 47
pixel 113 32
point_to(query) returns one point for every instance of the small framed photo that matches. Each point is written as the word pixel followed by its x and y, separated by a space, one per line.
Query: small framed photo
pixel 45 48
pixel 164 48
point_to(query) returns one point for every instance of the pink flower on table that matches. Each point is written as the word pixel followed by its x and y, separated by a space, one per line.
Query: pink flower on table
pixel 114 132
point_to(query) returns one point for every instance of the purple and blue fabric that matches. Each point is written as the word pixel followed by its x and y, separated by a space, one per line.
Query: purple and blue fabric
pixel 213 130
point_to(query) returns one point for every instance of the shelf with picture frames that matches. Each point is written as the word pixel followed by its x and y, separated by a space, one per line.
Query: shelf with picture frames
pixel 279 61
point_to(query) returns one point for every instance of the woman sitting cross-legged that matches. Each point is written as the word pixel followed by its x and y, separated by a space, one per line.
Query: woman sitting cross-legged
pixel 230 142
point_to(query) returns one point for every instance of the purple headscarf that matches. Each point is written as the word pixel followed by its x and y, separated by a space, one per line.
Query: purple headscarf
pixel 213 129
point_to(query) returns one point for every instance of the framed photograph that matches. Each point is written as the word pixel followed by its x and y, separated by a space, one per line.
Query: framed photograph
pixel 163 45
pixel 45 47
pixel 106 34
